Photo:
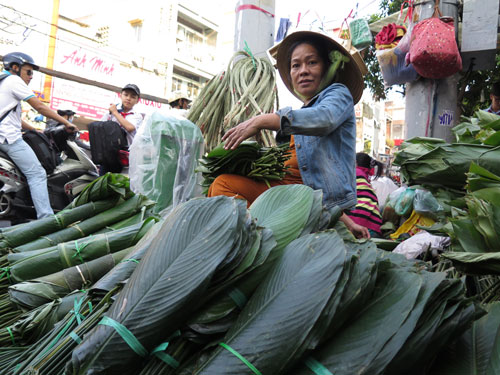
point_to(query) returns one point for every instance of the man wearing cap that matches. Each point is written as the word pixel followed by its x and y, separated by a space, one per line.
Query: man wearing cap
pixel 124 113
pixel 179 101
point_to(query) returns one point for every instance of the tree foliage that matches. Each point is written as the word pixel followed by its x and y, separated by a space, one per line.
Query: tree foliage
pixel 473 86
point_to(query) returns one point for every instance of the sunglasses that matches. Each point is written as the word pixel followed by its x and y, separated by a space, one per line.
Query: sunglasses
pixel 29 73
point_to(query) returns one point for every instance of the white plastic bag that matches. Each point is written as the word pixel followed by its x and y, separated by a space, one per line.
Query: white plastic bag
pixel 420 243
pixel 163 158
pixel 383 186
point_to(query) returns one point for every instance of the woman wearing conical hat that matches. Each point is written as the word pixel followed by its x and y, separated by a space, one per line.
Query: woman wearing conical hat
pixel 325 77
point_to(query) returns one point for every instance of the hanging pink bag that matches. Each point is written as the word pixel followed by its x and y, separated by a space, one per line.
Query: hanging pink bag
pixel 433 50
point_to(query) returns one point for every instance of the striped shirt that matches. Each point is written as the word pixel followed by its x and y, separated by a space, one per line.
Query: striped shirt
pixel 366 212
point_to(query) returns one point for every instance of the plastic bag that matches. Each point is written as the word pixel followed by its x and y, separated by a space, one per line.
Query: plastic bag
pixel 163 158
pixel 434 52
pixel 420 243
pixel 383 187
pixel 361 35
pixel 410 226
pixel 404 204
pixel 424 203
pixel 393 66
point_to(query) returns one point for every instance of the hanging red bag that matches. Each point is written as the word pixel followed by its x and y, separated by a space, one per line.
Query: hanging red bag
pixel 433 50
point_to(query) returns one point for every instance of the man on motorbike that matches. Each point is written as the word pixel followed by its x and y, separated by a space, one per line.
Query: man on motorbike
pixel 19 69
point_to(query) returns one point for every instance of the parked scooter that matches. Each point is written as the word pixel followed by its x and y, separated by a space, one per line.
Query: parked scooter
pixel 73 172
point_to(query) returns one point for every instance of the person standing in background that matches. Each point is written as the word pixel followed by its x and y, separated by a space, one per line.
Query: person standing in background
pixel 367 212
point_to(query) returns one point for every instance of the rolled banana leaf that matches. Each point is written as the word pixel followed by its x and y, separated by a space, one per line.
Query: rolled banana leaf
pixel 24 233
pixel 87 227
pixel 135 219
pixel 34 293
pixel 37 263
pixel 109 185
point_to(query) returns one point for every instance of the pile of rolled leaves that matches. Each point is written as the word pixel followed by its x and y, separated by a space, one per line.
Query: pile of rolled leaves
pixel 248 159
pixel 46 260
pixel 279 288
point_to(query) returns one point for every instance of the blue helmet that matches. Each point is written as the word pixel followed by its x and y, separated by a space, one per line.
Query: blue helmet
pixel 18 58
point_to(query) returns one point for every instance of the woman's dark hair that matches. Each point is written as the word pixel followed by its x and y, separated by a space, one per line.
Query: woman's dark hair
pixel 318 44
pixel 366 161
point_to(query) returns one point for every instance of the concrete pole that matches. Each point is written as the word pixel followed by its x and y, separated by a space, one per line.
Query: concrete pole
pixel 255 21
pixel 431 105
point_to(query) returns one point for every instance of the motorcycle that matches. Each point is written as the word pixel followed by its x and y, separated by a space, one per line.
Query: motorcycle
pixel 74 171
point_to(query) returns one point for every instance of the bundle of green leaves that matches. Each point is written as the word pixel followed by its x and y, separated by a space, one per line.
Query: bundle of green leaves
pixel 248 159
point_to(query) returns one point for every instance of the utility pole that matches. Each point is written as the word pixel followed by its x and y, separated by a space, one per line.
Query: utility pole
pixel 254 26
pixel 47 85
pixel 431 105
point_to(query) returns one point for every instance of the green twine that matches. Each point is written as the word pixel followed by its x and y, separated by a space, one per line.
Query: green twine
pixel 168 359
pixel 11 335
pixel 316 367
pixel 130 260
pixel 76 310
pixel 6 272
pixel 247 50
pixel 78 250
pixel 241 358
pixel 75 337
pixel 126 335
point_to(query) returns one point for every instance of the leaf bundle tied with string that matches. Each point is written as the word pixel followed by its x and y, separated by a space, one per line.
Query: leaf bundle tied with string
pixel 246 89
pixel 248 159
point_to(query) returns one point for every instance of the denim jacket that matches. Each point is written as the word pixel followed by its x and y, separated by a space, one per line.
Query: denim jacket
pixel 325 142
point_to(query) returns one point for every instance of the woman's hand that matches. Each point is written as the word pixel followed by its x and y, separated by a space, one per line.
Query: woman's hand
pixel 239 133
pixel 357 230
pixel 250 128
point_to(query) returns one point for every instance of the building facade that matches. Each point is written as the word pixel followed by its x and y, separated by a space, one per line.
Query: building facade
pixel 162 46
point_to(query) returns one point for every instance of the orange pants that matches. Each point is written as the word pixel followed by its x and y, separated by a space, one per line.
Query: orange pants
pixel 241 187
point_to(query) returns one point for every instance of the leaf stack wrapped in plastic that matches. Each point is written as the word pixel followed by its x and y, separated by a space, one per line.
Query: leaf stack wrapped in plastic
pixel 163 159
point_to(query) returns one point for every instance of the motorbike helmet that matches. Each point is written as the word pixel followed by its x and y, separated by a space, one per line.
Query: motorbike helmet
pixel 66 112
pixel 18 58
